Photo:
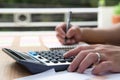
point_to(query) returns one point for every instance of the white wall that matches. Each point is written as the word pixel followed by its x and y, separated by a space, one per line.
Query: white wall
pixel 105 17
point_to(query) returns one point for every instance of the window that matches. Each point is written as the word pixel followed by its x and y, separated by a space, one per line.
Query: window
pixel 50 17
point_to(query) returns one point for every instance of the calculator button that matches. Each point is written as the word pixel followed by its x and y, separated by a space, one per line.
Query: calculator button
pixel 54 61
pixel 54 57
pixel 40 57
pixel 57 57
pixel 49 58
pixel 69 60
pixel 47 61
pixel 62 60
pixel 33 53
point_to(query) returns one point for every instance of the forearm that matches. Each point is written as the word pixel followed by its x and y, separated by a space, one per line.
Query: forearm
pixel 96 35
pixel 93 35
pixel 114 34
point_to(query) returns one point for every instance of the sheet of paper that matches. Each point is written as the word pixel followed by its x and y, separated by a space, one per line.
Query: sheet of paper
pixel 65 75
pixel 30 41
pixel 52 42
pixel 6 41
pixel 38 76
pixel 87 76
pixel 105 76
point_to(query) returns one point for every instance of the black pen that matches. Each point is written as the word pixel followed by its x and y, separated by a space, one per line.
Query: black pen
pixel 68 19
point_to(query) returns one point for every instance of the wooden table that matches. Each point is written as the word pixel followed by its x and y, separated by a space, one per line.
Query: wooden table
pixel 9 69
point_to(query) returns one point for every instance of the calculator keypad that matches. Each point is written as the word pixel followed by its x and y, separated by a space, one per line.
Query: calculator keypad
pixel 53 57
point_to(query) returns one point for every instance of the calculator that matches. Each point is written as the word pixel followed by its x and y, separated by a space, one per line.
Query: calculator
pixel 39 61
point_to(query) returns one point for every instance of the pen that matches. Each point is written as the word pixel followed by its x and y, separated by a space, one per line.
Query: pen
pixel 68 19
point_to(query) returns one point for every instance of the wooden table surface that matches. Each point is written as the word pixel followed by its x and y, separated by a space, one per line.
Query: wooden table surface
pixel 9 69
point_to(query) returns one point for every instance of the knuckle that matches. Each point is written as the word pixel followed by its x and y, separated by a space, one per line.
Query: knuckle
pixel 101 48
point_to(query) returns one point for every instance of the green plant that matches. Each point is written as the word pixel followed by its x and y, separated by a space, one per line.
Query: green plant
pixel 117 9
pixel 101 2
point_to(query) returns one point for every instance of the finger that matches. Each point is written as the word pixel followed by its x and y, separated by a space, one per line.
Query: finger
pixel 70 41
pixel 61 28
pixel 61 39
pixel 75 63
pixel 87 61
pixel 61 33
pixel 103 67
pixel 75 51
pixel 58 34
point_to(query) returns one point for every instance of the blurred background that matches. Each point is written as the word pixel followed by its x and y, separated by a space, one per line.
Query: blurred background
pixel 38 4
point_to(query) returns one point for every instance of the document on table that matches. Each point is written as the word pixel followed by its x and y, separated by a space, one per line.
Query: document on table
pixel 38 76
pixel 64 75
pixel 52 42
pixel 52 75
pixel 29 41
pixel 105 76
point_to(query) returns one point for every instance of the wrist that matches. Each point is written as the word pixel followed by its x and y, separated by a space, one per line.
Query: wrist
pixel 84 34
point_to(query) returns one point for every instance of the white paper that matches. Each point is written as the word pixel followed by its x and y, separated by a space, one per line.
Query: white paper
pixel 30 41
pixel 38 76
pixel 105 76
pixel 89 76
pixel 52 42
pixel 6 41
pixel 67 76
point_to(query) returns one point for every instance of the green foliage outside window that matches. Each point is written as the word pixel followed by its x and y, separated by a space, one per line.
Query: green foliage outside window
pixel 56 3
pixel 117 9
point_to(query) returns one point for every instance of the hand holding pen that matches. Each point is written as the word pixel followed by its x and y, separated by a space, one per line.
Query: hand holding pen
pixel 66 33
